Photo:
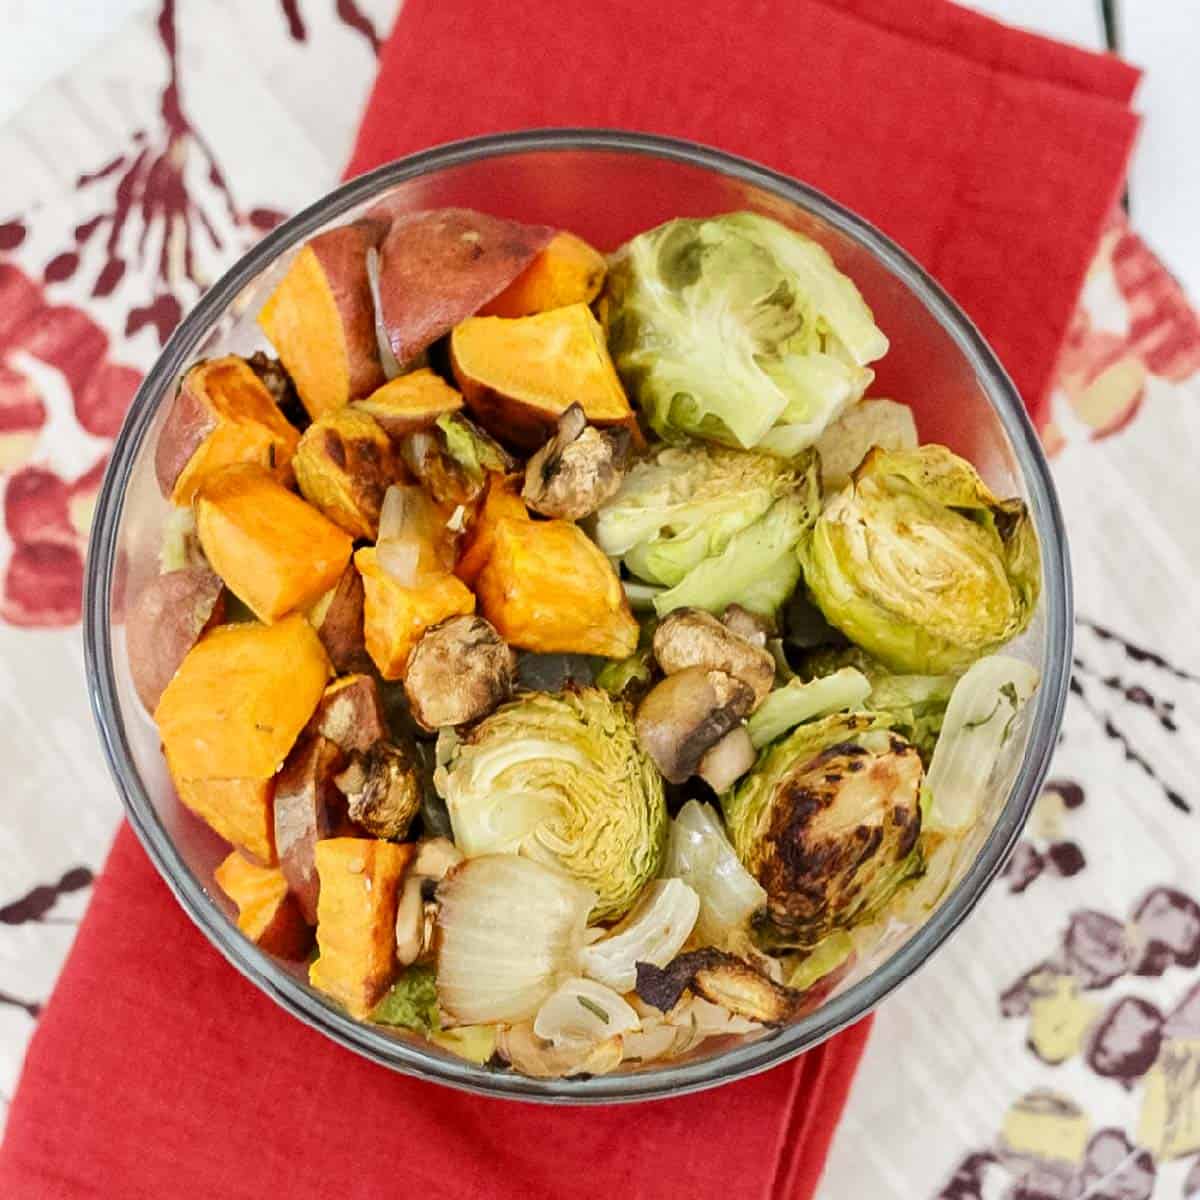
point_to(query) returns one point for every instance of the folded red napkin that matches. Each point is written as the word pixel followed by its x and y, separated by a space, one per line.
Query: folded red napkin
pixel 993 156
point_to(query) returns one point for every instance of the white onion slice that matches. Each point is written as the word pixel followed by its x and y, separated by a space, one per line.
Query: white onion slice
pixel 531 1055
pixel 653 933
pixel 510 932
pixel 980 718
pixel 583 1011
pixel 699 853
pixel 411 546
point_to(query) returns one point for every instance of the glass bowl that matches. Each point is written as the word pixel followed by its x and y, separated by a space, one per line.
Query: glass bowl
pixel 605 186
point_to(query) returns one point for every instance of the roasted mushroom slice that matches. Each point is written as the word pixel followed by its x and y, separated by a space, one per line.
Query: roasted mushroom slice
pixel 351 713
pixel 754 627
pixel 458 672
pixel 726 762
pixel 719 978
pixel 577 470
pixel 690 637
pixel 383 788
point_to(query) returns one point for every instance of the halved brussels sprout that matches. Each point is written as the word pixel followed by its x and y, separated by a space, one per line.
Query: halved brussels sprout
pixel 828 822
pixel 714 527
pixel 737 330
pixel 561 780
pixel 919 564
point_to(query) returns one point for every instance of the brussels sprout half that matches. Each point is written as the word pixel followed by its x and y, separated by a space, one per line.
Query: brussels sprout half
pixel 919 564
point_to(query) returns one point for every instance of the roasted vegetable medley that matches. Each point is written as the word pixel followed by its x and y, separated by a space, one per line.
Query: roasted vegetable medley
pixel 580 665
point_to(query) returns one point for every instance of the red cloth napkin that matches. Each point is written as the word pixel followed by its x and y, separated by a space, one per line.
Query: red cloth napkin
pixel 994 157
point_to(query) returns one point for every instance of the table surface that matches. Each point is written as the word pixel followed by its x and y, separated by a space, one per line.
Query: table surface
pixel 948 1063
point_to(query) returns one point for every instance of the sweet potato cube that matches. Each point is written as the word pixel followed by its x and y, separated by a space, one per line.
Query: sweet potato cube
pixel 344 464
pixel 547 587
pixel 356 919
pixel 240 810
pixel 275 552
pixel 267 914
pixel 240 698
pixel 567 271
pixel 321 319
pixel 394 617
pixel 308 807
pixel 222 414
pixel 411 402
pixel 351 714
pixel 502 500
pixel 337 616
pixel 519 376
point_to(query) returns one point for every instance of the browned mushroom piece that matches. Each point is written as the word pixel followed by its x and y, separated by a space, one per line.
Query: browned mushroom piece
pixel 720 978
pixel 577 469
pixel 383 790
pixel 458 672
pixel 754 627
pixel 687 713
pixel 726 762
pixel 690 637
pixel 351 713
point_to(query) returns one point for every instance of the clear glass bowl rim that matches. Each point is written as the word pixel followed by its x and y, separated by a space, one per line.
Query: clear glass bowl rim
pixel 837 1013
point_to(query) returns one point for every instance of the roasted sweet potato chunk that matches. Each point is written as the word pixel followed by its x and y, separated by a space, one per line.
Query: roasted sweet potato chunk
pixel 338 619
pixel 308 807
pixel 222 414
pixel 351 713
pixel 166 621
pixel 344 464
pixel 356 919
pixel 501 500
pixel 567 271
pixel 240 698
pixel 547 587
pixel 411 402
pixel 267 914
pixel 240 810
pixel 275 552
pixel 394 617
pixel 439 266
pixel 321 319
pixel 519 376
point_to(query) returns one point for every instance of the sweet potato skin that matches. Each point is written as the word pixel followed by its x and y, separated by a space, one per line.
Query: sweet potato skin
pixel 321 318
pixel 344 464
pixel 240 698
pixel 222 414
pixel 519 376
pixel 548 588
pixel 394 617
pixel 439 266
pixel 267 914
pixel 567 271
pixel 338 619
pixel 308 808
pixel 356 919
pixel 240 810
pixel 169 616
pixel 501 500
pixel 275 552
pixel 351 714
pixel 410 402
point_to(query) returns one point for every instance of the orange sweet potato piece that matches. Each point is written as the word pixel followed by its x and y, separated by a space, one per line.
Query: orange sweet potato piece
pixel 343 465
pixel 547 587
pixel 502 500
pixel 222 414
pixel 267 914
pixel 321 319
pixel 356 919
pixel 567 271
pixel 519 376
pixel 351 714
pixel 337 617
pixel 239 700
pixel 394 617
pixel 167 619
pixel 275 552
pixel 410 402
pixel 239 810
pixel 308 807
pixel 440 266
